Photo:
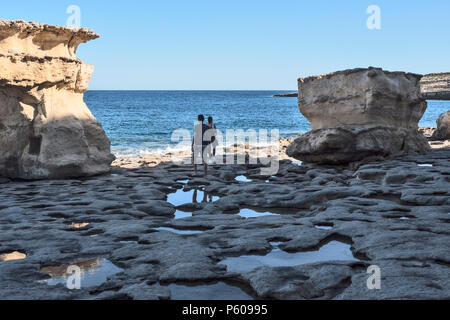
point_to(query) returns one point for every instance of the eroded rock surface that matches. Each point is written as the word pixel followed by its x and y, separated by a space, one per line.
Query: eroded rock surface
pixel 436 86
pixel 360 113
pixel 443 127
pixel 393 214
pixel 46 129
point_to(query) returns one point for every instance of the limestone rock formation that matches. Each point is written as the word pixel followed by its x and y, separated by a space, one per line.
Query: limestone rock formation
pixel 443 127
pixel 46 129
pixel 360 113
pixel 436 86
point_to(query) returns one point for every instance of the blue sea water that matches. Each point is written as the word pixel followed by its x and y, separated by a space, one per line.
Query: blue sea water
pixel 142 122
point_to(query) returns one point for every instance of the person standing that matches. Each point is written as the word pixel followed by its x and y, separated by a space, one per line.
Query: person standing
pixel 214 143
pixel 199 145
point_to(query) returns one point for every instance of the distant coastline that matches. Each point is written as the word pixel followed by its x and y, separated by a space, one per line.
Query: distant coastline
pixel 435 86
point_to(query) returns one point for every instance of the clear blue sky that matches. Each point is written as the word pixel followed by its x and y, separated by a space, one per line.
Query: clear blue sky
pixel 246 44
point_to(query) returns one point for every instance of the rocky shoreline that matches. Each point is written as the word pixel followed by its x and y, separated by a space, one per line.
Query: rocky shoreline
pixel 393 214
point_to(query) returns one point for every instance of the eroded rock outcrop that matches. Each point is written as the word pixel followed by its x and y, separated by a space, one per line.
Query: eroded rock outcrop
pixel 443 127
pixel 360 113
pixel 436 86
pixel 46 129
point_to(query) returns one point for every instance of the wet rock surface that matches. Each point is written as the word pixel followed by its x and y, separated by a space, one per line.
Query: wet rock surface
pixel 393 214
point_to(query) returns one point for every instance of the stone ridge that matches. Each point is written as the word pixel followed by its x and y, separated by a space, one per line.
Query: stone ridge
pixel 33 27
pixel 356 70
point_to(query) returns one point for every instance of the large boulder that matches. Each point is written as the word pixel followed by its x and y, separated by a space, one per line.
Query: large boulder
pixel 443 127
pixel 360 113
pixel 46 129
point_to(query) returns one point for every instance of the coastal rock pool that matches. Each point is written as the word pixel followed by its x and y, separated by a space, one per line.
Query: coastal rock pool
pixel 196 195
pixel 94 272
pixel 243 179
pixel 215 291
pixel 249 213
pixel 177 231
pixel 332 251
pixel 11 256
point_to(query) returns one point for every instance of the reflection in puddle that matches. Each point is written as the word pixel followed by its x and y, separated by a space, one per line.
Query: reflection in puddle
pixel 243 179
pixel 16 255
pixel 404 218
pixel 94 272
pixel 248 213
pixel 333 251
pixel 425 165
pixel 183 181
pixel 218 291
pixel 297 163
pixel 185 232
pixel 323 227
pixel 196 195
pixel 79 225
pixel 181 215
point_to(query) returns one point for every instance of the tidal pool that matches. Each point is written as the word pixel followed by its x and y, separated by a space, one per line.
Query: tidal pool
pixel 332 251
pixel 182 215
pixel 249 213
pixel 11 256
pixel 94 272
pixel 243 179
pixel 196 195
pixel 217 291
pixel 177 231
pixel 323 227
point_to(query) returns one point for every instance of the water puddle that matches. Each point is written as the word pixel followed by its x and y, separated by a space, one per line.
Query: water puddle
pixel 11 256
pixel 177 231
pixel 249 213
pixel 323 226
pixel 94 272
pixel 426 165
pixel 79 225
pixel 297 163
pixel 404 218
pixel 243 179
pixel 333 251
pixel 182 215
pixel 183 181
pixel 218 291
pixel 196 195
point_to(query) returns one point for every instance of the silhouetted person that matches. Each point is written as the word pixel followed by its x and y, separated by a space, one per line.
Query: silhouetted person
pixel 214 143
pixel 199 145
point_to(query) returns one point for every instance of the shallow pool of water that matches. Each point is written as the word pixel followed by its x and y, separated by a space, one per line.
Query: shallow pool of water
pixel 249 213
pixel 182 215
pixel 217 291
pixel 181 197
pixel 11 256
pixel 323 227
pixel 332 251
pixel 94 272
pixel 297 163
pixel 243 179
pixel 426 165
pixel 177 231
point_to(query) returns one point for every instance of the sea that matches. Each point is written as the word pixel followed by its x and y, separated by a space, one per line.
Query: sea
pixel 142 122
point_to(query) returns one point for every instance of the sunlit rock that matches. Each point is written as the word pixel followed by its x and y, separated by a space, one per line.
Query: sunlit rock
pixel 360 113
pixel 46 129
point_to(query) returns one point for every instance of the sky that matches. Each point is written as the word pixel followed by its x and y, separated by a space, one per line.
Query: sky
pixel 246 44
